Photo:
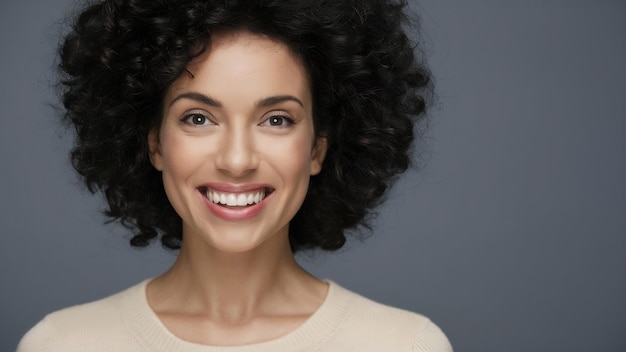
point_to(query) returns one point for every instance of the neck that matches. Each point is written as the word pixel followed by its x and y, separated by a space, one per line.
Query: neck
pixel 234 286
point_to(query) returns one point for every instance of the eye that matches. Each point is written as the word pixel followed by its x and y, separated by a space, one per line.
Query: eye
pixel 196 119
pixel 277 121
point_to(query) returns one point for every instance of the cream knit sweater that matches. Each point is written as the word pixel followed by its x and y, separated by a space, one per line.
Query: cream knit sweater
pixel 125 322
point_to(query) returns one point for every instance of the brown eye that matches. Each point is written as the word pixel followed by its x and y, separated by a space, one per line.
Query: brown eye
pixel 278 121
pixel 197 119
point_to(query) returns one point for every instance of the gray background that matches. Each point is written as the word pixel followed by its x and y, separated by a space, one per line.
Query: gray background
pixel 513 238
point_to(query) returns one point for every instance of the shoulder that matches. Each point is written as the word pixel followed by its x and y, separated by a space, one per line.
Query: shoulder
pixel 75 327
pixel 382 327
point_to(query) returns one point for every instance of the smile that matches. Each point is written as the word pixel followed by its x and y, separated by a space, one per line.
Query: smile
pixel 235 199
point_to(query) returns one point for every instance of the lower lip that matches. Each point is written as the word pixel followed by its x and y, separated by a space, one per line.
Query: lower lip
pixel 235 213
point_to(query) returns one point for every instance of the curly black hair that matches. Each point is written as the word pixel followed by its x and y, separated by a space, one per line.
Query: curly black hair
pixel 369 90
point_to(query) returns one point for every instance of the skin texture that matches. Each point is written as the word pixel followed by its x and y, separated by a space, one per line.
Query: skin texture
pixel 242 117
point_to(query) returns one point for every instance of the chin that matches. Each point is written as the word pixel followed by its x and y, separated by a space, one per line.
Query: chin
pixel 232 241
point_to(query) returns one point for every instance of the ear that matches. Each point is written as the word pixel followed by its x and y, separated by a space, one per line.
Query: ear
pixel 154 150
pixel 318 154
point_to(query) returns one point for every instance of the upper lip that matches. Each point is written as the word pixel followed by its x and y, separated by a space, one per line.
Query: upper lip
pixel 235 187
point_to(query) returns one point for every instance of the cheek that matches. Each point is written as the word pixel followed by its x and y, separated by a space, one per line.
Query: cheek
pixel 181 158
pixel 292 161
pixel 177 155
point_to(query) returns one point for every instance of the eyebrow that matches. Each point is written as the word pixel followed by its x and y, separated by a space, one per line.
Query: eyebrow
pixel 278 99
pixel 205 99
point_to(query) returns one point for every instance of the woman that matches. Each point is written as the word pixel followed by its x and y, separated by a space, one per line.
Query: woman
pixel 240 132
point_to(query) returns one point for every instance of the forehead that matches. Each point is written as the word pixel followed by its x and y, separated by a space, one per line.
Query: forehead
pixel 251 61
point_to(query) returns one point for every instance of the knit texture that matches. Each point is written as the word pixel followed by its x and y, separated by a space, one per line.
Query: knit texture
pixel 125 322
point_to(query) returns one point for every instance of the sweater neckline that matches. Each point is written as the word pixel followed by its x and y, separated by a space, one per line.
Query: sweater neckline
pixel 319 327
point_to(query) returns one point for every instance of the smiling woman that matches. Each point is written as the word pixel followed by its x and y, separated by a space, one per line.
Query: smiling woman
pixel 240 132
pixel 238 127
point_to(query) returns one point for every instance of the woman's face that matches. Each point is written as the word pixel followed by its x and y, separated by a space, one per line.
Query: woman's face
pixel 236 146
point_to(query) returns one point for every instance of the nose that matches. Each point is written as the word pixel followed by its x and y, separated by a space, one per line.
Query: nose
pixel 237 155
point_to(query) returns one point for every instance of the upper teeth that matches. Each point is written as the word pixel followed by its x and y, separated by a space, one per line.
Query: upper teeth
pixel 235 199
